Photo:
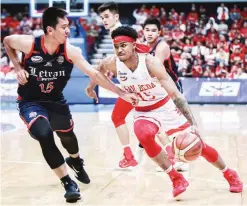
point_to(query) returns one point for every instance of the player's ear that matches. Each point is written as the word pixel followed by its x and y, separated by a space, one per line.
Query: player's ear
pixel 117 17
pixel 49 29
pixel 134 45
pixel 159 33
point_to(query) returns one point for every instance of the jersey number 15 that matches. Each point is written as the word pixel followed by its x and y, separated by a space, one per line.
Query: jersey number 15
pixel 48 89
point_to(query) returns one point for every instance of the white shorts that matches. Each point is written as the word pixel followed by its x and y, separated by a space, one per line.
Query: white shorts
pixel 167 117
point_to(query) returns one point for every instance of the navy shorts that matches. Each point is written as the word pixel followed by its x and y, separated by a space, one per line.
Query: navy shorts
pixel 57 113
pixel 179 86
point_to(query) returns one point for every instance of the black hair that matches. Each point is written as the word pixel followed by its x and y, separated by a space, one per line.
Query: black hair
pixel 124 31
pixel 153 21
pixel 50 17
pixel 112 6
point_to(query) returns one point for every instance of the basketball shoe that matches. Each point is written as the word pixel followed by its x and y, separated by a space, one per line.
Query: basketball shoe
pixel 179 185
pixel 80 173
pixel 236 185
pixel 128 161
pixel 72 191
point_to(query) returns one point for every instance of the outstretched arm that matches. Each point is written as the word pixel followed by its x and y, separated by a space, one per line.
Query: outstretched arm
pixel 74 54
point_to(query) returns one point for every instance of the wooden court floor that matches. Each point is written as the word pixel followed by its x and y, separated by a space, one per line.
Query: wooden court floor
pixel 27 180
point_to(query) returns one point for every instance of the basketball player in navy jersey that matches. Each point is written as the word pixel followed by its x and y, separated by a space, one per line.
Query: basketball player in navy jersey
pixel 42 75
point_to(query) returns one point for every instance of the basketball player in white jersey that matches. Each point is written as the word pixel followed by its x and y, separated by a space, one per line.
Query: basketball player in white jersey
pixel 160 105
pixel 110 18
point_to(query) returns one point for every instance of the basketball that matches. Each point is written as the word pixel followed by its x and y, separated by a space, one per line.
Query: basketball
pixel 187 147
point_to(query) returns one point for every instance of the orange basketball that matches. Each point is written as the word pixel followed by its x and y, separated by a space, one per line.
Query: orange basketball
pixel 187 147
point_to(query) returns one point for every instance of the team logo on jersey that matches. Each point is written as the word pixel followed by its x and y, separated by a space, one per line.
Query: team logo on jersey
pixel 36 59
pixel 48 64
pixel 60 59
pixel 32 114
pixel 122 76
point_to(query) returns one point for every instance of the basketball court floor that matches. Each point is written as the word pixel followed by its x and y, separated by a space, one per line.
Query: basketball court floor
pixel 27 180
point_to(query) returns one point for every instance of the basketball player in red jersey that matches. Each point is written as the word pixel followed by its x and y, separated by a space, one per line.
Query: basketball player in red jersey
pixel 110 18
pixel 159 103
pixel 43 74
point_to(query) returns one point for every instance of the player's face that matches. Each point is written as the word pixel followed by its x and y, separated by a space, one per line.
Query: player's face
pixel 151 33
pixel 109 19
pixel 124 50
pixel 62 31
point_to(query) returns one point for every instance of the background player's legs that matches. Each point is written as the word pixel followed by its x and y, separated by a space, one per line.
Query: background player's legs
pixel 42 132
pixel 120 111
pixel 145 132
pixel 166 143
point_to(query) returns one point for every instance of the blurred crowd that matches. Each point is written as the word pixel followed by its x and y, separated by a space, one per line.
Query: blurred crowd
pixel 203 45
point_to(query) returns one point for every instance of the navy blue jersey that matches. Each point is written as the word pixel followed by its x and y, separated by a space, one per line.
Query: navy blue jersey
pixel 169 64
pixel 48 74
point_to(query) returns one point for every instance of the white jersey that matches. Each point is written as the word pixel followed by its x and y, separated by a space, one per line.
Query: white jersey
pixel 155 105
pixel 148 89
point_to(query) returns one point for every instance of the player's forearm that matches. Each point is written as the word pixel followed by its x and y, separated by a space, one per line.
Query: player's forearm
pixel 184 108
pixel 106 83
pixel 12 55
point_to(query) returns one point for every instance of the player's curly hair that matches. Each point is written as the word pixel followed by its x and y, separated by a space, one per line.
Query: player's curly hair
pixel 124 31
pixel 154 21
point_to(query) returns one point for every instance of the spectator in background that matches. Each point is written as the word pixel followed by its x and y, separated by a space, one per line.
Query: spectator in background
pixel 196 70
pixel 193 16
pixel 222 57
pixel 235 13
pixel 177 33
pixel 37 31
pixel 140 16
pixel 199 49
pixel 27 30
pixel 221 71
pixel 211 25
pixel 208 73
pixel 235 45
pixel 244 13
pixel 203 13
pixel 243 30
pixel 188 44
pixel 237 57
pixel 4 13
pixel 222 28
pixel 223 12
pixel 26 22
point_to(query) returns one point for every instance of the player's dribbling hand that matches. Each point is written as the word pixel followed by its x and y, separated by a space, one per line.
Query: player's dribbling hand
pixel 130 97
pixel 91 94
pixel 195 130
pixel 22 76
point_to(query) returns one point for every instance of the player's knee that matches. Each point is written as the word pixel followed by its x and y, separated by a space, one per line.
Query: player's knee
pixel 66 135
pixel 41 130
pixel 145 131
pixel 117 119
pixel 209 153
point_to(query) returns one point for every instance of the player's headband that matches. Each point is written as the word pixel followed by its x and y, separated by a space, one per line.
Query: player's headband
pixel 140 48
pixel 119 39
